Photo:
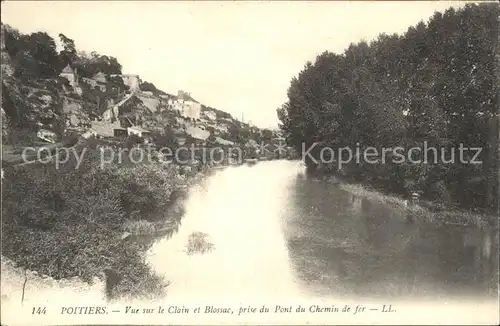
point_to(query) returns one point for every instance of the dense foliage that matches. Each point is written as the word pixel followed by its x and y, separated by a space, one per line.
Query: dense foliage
pixel 150 87
pixel 434 84
pixel 68 222
pixel 35 54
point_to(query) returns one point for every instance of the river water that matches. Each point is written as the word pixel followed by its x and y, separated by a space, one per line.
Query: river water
pixel 282 239
pixel 277 233
pixel 279 236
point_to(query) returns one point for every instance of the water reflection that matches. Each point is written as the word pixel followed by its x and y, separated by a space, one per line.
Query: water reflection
pixel 273 234
pixel 298 234
pixel 239 210
pixel 277 232
pixel 343 244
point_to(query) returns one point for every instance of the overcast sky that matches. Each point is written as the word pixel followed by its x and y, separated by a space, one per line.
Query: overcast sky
pixel 237 57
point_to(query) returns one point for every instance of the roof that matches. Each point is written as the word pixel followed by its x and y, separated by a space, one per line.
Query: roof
pixel 197 133
pixel 128 115
pixel 223 141
pixel 124 75
pixel 139 128
pixel 186 97
pixel 67 70
pixel 101 77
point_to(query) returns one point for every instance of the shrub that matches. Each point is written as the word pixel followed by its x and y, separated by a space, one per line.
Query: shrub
pixel 198 243
pixel 133 140
pixel 69 221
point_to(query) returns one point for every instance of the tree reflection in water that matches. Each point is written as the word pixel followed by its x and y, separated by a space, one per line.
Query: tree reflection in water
pixel 342 243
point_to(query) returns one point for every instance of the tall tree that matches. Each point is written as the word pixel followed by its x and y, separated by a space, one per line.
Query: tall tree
pixel 433 85
pixel 68 54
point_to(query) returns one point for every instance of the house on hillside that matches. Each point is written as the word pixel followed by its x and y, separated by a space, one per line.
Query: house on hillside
pixel 139 131
pixel 100 77
pixel 224 142
pixel 186 105
pixel 69 74
pixel 120 132
pixel 114 110
pixel 111 114
pixel 97 81
pixel 132 81
pixel 72 77
pixel 210 115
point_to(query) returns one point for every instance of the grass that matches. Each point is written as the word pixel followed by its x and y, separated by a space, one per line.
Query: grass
pixel 423 210
pixel 69 222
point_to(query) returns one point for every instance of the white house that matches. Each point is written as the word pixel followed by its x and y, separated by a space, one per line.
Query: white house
pixel 69 74
pixel 89 134
pixel 132 81
pixel 187 106
pixel 210 115
pixel 191 109
pixel 72 77
pixel 47 135
pixel 111 114
pixel 138 130
pixel 99 81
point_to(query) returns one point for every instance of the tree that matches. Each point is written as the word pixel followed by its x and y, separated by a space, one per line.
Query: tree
pixel 165 139
pixel 32 55
pixel 68 54
pixel 43 49
pixel 211 141
pixel 434 84
pixel 150 87
pixel 91 64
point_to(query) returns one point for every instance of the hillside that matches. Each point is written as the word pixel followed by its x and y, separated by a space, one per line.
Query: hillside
pixel 72 93
pixel 60 221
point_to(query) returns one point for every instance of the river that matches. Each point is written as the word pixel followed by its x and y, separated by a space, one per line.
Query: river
pixel 281 238
pixel 277 233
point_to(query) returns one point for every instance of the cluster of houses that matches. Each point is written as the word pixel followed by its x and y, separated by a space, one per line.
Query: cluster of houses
pixel 183 102
pixel 98 81
pixel 115 123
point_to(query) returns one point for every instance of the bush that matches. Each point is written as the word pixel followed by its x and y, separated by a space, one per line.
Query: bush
pixel 198 243
pixel 70 221
pixel 133 140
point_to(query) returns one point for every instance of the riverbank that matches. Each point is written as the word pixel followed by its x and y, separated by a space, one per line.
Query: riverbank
pixel 421 210
pixel 87 222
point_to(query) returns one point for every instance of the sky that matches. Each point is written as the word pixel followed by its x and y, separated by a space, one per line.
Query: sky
pixel 238 57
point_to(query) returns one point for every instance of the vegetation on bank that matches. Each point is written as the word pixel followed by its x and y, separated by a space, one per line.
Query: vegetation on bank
pixel 423 210
pixel 434 84
pixel 71 221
